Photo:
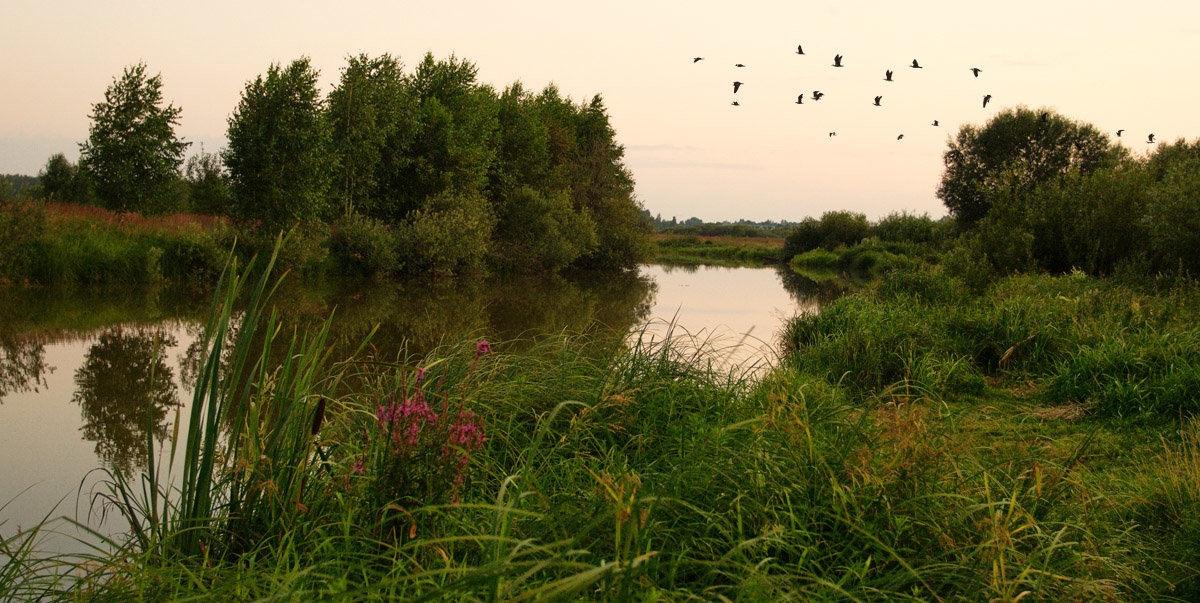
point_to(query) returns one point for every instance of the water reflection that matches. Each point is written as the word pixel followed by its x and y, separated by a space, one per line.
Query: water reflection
pixel 22 366
pixel 809 291
pixel 125 388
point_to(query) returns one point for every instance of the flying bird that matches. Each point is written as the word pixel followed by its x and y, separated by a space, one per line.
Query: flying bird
pixel 799 49
pixel 738 65
pixel 935 122
pixel 976 71
pixel 832 134
pixel 1119 132
pixel 800 100
pixel 735 103
pixel 817 94
pixel 900 137
pixel 887 77
pixel 837 60
pixel 986 98
pixel 877 99
pixel 1150 140
pixel 736 85
pixel 916 65
pixel 697 59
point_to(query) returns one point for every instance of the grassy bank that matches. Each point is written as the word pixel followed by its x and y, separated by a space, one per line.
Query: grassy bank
pixel 723 251
pixel 914 446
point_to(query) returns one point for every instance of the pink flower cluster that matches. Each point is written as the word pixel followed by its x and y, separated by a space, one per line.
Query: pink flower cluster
pixel 406 418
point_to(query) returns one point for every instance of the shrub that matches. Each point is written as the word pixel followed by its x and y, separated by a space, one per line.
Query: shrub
pixel 362 246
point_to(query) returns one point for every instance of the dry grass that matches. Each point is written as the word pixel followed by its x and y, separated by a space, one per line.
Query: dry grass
pixel 68 213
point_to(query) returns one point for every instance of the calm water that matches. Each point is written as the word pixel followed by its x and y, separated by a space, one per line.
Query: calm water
pixel 75 368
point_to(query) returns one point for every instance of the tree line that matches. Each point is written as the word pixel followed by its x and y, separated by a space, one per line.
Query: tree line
pixel 413 171
pixel 1033 190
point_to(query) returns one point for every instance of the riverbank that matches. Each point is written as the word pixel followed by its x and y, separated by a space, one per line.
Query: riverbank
pixel 887 458
pixel 716 250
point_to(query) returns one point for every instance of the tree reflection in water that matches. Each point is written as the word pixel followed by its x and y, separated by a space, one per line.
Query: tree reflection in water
pixel 123 388
pixel 22 366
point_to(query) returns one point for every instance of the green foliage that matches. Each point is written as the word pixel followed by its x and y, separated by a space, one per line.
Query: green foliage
pixel 207 185
pixel 903 227
pixel 834 229
pixel 278 156
pixel 132 155
pixel 18 186
pixel 523 159
pixel 370 116
pixel 448 235
pixel 21 225
pixel 536 233
pixel 362 246
pixel 451 142
pixel 62 180
pixel 1022 149
pixel 1172 217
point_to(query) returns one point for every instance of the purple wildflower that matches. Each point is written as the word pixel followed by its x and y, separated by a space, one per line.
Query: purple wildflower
pixel 483 347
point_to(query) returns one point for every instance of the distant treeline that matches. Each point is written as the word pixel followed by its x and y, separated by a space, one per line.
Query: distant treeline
pixel 420 171
pixel 696 226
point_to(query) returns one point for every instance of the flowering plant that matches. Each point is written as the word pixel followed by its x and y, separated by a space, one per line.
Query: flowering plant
pixel 419 446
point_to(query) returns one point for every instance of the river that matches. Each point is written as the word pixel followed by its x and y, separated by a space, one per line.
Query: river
pixel 78 369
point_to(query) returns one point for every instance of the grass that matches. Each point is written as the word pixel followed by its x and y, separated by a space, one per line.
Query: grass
pixel 721 251
pixel 906 451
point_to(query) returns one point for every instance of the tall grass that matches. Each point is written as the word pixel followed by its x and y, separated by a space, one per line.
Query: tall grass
pixel 594 469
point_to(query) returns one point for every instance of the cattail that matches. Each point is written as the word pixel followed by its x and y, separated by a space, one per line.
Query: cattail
pixel 318 416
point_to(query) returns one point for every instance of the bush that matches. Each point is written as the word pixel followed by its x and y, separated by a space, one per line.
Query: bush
pixel 449 235
pixel 908 228
pixel 362 246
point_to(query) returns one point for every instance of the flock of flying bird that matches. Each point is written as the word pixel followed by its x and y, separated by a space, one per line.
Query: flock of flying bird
pixel 887 77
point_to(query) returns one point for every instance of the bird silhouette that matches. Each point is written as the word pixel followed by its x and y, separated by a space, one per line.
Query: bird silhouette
pixel 1119 132
pixel 735 103
pixel 800 100
pixel 887 77
pixel 976 71
pixel 916 65
pixel 837 60
pixel 900 137
pixel 832 134
pixel 935 122
pixel 1045 117
pixel 799 49
pixel 736 85
pixel 697 59
pixel 986 98
pixel 1150 140
pixel 877 99
pixel 817 94
pixel 738 65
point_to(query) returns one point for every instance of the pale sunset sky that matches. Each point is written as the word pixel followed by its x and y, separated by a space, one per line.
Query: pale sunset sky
pixel 1117 65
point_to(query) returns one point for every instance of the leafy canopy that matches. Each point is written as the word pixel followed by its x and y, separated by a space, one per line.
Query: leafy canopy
pixel 1021 148
pixel 132 154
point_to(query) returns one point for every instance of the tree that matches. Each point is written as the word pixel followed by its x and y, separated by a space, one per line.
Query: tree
pixel 132 154
pixel 1029 146
pixel 369 108
pixel 208 185
pixel 451 144
pixel 279 157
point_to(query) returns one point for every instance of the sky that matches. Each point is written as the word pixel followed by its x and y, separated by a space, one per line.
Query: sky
pixel 1116 65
